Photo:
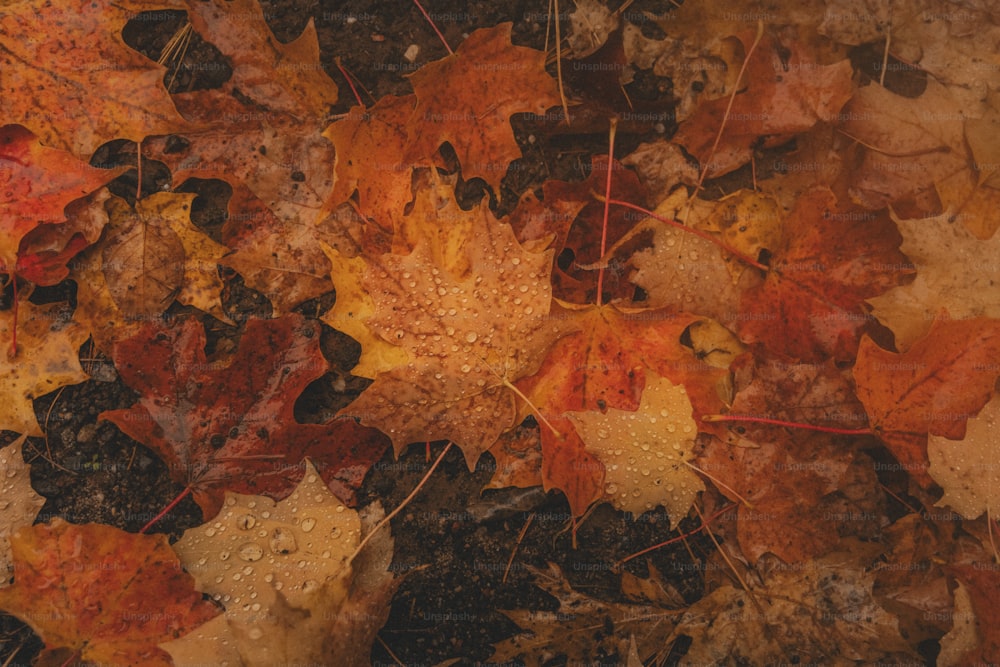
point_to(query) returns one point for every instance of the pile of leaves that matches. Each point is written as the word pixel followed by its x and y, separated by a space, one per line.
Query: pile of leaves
pixel 752 322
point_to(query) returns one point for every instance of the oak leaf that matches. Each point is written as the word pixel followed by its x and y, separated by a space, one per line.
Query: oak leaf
pixel 470 306
pixel 831 258
pixel 70 78
pixel 228 424
pixel 47 359
pixel 284 573
pixel 467 99
pixel 98 594
pixel 934 387
pixel 20 504
pixel 976 606
pixel 955 272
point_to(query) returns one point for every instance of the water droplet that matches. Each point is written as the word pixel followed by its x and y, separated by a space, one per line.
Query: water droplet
pixel 515 260
pixel 466 368
pixel 308 524
pixel 251 551
pixel 269 577
pixel 310 585
pixel 255 633
pixel 471 337
pixel 210 532
pixel 246 521
pixel 335 531
pixel 282 541
pixel 529 310
pixel 224 555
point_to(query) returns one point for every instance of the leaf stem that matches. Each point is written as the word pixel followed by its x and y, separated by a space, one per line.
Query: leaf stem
pixel 173 503
pixel 433 25
pixel 782 422
pixel 746 259
pixel 507 383
pixel 607 205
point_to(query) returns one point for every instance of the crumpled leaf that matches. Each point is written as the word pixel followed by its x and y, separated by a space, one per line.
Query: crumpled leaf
pixel 70 78
pixel 584 629
pixel 821 612
pixel 47 358
pixel 154 253
pixel 467 99
pixel 228 424
pixel 981 583
pixel 969 470
pixel 470 305
pixel 86 591
pixel 832 258
pixel 934 388
pixel 955 272
pixel 262 127
pixel 36 185
pixel 644 452
pixel 283 572
pixel 19 504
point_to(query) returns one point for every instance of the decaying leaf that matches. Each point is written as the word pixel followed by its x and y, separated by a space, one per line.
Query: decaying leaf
pixel 19 504
pixel 46 358
pixel 86 591
pixel 820 611
pixel 283 572
pixel 228 424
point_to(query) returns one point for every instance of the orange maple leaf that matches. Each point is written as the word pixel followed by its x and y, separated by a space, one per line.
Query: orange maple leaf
pixel 99 594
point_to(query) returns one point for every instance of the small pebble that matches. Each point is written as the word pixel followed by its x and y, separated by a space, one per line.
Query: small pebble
pixel 412 51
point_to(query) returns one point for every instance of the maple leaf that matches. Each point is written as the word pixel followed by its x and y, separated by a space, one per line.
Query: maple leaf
pixel 285 575
pixel 644 452
pixel 229 424
pixel 383 187
pixel 70 78
pixel 99 594
pixel 785 93
pixel 956 272
pixel 262 128
pixel 281 259
pixel 830 260
pixel 154 253
pixel 967 470
pixel 820 612
pixel 20 504
pixel 36 185
pixel 468 98
pixel 470 306
pixel 46 359
pixel 943 380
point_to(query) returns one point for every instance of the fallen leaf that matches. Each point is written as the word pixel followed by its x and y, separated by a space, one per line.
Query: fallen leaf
pixel 470 305
pixel 467 99
pixel 831 258
pixel 969 470
pixel 955 271
pixel 228 424
pixel 982 585
pixel 820 611
pixel 86 591
pixel 70 78
pixel 47 359
pixel 784 92
pixel 645 452
pixel 20 504
pixel 37 183
pixel 935 387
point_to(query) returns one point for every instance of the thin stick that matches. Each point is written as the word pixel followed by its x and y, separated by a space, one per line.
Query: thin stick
pixel 428 17
pixel 517 544
pixel 13 312
pixel 725 557
pixel 782 422
pixel 607 206
pixel 349 82
pixel 559 79
pixel 173 503
pixel 672 540
pixel 719 483
pixel 534 410
pixel 403 504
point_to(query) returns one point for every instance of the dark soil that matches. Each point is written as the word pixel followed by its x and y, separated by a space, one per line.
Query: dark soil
pixel 453 544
